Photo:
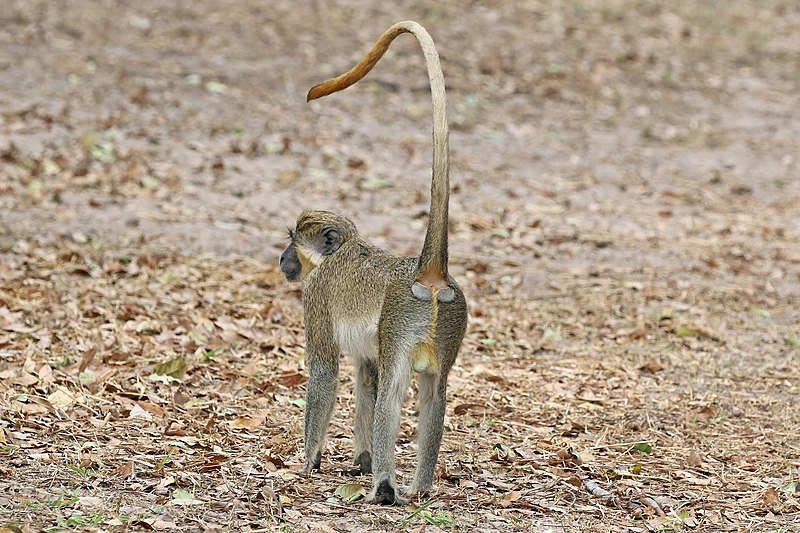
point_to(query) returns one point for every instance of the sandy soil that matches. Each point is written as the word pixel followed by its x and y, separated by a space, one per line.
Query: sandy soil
pixel 625 218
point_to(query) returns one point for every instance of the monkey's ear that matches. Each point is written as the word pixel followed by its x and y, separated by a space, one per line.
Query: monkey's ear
pixel 328 241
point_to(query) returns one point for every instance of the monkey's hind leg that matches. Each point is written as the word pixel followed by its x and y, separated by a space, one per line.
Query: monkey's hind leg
pixel 393 381
pixel 323 378
pixel 366 396
pixel 431 402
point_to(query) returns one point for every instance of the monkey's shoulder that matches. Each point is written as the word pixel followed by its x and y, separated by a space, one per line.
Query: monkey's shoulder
pixel 364 260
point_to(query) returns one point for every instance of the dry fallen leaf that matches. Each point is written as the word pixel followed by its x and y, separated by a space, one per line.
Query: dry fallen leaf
pixel 510 498
pixel 174 367
pixel 138 412
pixel 350 492
pixel 247 422
pixel 695 459
pixel 771 499
pixel 125 471
pixel 61 399
pixel 153 409
pixel 182 497
pixel 87 359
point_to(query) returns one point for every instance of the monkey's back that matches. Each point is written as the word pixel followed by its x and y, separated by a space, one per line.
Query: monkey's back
pixel 353 280
pixel 361 289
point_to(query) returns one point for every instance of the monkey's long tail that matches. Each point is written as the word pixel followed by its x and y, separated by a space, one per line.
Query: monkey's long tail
pixel 432 266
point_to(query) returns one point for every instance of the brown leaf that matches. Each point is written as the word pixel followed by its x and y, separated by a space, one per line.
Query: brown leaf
pixel 563 457
pixel 589 396
pixel 510 498
pixel 464 408
pixel 695 459
pixel 491 378
pixel 28 408
pixel 86 360
pixel 45 374
pixel 653 366
pixel 501 484
pixel 138 412
pixel 355 162
pixel 125 471
pixel 292 379
pixel 180 398
pixel 247 333
pixel 706 413
pixel 212 463
pixel 153 409
pixel 13 321
pixel 652 504
pixel 248 422
pixel 529 454
pixel 479 267
pixel 229 335
pixel 41 402
pixel 771 500
pixel 24 379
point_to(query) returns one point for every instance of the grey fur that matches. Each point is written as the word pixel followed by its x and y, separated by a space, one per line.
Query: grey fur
pixel 389 314
pixel 344 291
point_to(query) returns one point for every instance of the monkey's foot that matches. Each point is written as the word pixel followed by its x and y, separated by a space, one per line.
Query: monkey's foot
pixel 362 464
pixel 384 493
pixel 411 491
pixel 312 464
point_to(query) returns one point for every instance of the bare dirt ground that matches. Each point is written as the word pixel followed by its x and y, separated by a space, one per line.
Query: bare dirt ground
pixel 625 221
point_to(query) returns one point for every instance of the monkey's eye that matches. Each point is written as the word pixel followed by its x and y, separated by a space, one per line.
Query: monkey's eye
pixel 290 234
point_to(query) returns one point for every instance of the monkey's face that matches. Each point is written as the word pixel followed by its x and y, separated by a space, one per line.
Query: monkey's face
pixel 300 258
pixel 290 263
pixel 317 235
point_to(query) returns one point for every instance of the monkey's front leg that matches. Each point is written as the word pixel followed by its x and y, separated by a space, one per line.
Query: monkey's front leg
pixel 323 377
pixel 392 386
pixel 366 395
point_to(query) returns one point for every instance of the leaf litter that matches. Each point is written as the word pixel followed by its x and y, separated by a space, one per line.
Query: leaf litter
pixel 622 371
pixel 227 428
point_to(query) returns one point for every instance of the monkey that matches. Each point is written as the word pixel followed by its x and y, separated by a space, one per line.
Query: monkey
pixel 392 315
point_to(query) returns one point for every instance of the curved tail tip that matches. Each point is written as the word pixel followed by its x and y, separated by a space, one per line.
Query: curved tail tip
pixel 315 92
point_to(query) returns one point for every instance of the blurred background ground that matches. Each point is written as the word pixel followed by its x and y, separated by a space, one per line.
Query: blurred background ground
pixel 625 218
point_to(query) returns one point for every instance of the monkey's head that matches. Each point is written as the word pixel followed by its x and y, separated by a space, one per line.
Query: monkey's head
pixel 316 235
